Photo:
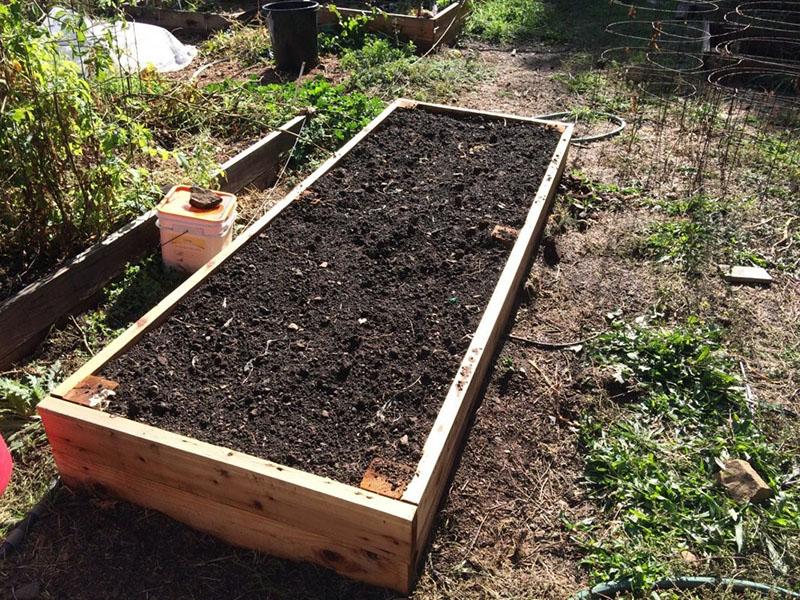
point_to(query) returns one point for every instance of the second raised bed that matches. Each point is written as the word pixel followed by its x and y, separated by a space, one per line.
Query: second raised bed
pixel 424 31
pixel 306 392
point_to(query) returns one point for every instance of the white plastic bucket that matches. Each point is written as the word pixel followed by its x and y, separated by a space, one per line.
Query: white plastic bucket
pixel 190 237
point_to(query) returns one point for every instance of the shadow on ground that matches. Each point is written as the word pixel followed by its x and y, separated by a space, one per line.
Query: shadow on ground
pixel 89 546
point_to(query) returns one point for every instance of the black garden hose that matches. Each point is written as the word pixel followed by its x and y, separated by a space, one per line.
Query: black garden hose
pixel 612 588
pixel 618 121
pixel 16 537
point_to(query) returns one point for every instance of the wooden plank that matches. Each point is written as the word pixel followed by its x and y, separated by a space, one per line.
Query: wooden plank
pixel 259 164
pixel 160 312
pixel 247 501
pixel 443 444
pixel 178 20
pixel 26 318
pixel 449 23
pixel 92 392
pixel 420 30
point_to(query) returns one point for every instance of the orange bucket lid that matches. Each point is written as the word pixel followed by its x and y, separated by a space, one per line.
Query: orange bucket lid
pixel 176 203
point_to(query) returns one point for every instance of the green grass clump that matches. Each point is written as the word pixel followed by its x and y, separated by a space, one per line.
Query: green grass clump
pixel 700 231
pixel 387 70
pixel 336 114
pixel 651 463
pixel 509 21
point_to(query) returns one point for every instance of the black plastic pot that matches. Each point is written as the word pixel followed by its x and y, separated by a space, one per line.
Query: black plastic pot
pixel 293 32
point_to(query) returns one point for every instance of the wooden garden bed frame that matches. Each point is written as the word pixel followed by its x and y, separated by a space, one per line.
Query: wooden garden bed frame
pixel 27 316
pixel 259 504
pixel 425 32
pixel 189 21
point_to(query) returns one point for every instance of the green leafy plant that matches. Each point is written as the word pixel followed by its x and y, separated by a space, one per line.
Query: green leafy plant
pixel 679 410
pixel 334 114
pixel 507 21
pixel 19 397
pixel 68 152
pixel 385 69
pixel 350 33
pixel 697 231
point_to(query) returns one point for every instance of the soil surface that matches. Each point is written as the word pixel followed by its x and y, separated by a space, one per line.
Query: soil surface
pixel 332 337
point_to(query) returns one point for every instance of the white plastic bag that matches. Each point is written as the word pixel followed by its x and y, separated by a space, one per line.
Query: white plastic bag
pixel 132 46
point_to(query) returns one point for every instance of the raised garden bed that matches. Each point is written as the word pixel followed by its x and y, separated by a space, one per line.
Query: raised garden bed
pixel 26 317
pixel 425 32
pixel 188 21
pixel 306 392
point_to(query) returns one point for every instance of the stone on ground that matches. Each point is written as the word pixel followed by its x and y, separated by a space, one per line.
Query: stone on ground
pixel 738 274
pixel 742 482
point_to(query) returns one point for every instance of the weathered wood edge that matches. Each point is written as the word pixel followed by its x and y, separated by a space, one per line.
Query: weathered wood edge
pixel 26 317
pixel 175 19
pixel 258 164
pixel 441 448
pixel 422 30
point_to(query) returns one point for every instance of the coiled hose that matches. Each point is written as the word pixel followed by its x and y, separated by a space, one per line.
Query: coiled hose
pixel 619 125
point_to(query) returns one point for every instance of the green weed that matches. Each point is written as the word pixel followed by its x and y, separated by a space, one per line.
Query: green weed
pixel 335 115
pixel 349 33
pixel 584 198
pixel 700 230
pixel 511 21
pixel 651 461
pixel 383 69
pixel 583 82
pixel 594 88
pixel 140 287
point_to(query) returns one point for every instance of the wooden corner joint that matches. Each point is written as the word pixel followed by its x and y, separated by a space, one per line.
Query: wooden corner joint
pixel 93 391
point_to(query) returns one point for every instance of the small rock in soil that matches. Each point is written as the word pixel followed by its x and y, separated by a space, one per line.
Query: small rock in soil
pixel 404 440
pixel 504 235
pixel 742 482
pixel 688 557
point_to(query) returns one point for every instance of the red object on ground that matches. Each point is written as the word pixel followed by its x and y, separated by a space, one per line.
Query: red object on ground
pixel 6 465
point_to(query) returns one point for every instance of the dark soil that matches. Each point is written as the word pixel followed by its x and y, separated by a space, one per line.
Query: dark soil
pixel 332 338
